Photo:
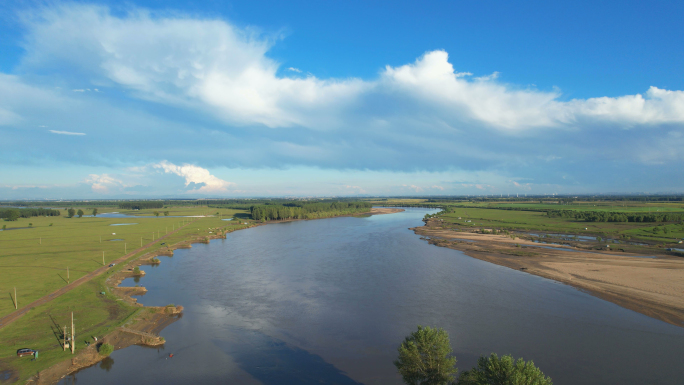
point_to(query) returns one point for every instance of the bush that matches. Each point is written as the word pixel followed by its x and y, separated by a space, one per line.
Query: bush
pixel 136 270
pixel 106 349
pixel 506 370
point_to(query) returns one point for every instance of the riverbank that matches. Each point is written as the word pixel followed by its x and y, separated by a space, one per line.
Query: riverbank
pixel 384 210
pixel 650 286
pixel 142 328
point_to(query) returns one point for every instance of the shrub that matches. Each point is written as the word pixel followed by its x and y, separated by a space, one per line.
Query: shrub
pixel 136 270
pixel 106 349
pixel 506 370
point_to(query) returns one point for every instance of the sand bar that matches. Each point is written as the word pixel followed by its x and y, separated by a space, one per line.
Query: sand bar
pixel 651 286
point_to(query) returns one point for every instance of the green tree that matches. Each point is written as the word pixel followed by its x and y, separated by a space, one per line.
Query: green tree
pixel 80 213
pixel 425 358
pixel 12 215
pixel 71 212
pixel 506 370
pixel 95 212
pixel 30 224
pixel 105 349
pixel 166 213
pixel 136 270
pixel 156 213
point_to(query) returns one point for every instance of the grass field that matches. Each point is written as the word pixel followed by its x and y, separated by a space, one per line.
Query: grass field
pixel 521 216
pixel 34 259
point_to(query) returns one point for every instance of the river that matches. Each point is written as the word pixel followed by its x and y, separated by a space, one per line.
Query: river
pixel 328 301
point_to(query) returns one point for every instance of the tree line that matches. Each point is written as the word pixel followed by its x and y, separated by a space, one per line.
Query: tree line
pixel 141 205
pixel 301 210
pixel 14 214
pixel 606 216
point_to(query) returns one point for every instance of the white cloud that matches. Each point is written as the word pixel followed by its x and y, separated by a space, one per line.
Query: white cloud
pixel 103 183
pixel 8 117
pixel 66 132
pixel 195 174
pixel 211 65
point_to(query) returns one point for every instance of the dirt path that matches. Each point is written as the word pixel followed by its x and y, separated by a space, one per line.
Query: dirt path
pixel 8 319
pixel 650 286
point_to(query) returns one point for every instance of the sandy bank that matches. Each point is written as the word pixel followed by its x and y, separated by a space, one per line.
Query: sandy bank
pixel 654 287
pixel 384 210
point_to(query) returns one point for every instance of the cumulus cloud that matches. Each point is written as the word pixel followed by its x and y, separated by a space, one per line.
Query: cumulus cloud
pixel 103 183
pixel 66 132
pixel 197 175
pixel 233 107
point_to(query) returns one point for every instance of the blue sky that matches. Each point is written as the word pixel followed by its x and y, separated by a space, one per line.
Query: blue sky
pixel 258 98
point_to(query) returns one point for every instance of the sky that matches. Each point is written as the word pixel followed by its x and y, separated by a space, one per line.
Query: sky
pixel 220 99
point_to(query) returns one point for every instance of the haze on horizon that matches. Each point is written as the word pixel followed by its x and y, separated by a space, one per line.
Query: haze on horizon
pixel 230 99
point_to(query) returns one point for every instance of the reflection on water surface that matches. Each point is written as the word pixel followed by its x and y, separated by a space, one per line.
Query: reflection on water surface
pixel 328 302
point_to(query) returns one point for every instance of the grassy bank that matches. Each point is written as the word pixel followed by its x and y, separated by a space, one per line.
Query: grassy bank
pixel 533 216
pixel 34 258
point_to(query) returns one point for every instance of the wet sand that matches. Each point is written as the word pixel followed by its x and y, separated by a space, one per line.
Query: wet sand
pixel 651 286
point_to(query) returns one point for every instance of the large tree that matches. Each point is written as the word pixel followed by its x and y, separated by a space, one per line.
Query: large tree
pixel 95 212
pixel 80 213
pixel 506 370
pixel 425 358
pixel 71 212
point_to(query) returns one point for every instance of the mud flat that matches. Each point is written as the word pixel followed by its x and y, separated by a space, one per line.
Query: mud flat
pixel 648 285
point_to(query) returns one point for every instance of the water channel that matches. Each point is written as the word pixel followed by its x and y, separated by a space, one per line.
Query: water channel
pixel 328 302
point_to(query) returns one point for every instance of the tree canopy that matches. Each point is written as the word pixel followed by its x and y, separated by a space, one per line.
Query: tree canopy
pixel 425 358
pixel 506 370
pixel 303 210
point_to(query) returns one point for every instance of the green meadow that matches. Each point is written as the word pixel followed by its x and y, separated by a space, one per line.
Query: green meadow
pixel 34 256
pixel 532 216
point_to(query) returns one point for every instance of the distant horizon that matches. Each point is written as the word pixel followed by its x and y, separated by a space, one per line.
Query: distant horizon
pixel 494 196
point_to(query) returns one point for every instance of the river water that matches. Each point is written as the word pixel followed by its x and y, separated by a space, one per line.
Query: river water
pixel 328 301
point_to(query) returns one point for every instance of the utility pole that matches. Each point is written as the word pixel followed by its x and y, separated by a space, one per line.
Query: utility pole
pixel 103 259
pixel 15 298
pixel 73 335
pixel 64 339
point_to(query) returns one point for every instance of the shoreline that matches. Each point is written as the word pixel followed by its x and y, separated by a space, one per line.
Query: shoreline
pixel 140 328
pixel 144 329
pixel 653 286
